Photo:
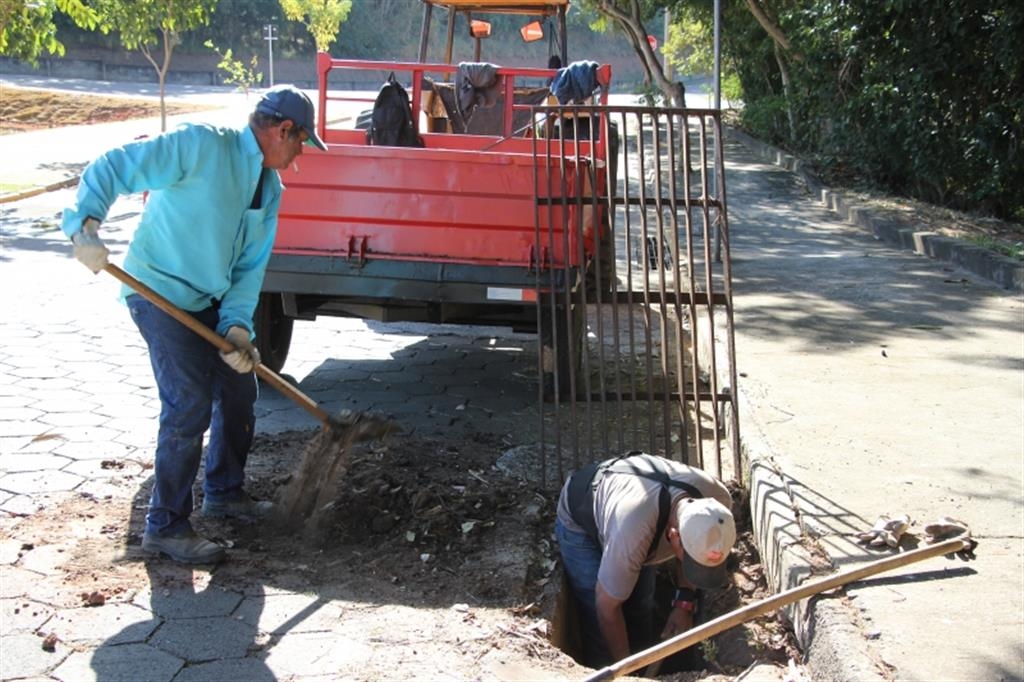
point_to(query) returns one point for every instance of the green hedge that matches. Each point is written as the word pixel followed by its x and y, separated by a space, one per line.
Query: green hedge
pixel 920 97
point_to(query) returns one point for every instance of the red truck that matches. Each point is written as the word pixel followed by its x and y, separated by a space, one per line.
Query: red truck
pixel 454 231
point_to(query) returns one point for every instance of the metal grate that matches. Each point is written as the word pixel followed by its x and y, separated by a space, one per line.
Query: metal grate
pixel 636 345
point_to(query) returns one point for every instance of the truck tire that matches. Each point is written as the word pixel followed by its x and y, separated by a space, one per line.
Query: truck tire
pixel 273 331
pixel 570 334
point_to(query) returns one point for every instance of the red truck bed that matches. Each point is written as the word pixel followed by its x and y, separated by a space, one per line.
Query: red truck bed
pixel 450 232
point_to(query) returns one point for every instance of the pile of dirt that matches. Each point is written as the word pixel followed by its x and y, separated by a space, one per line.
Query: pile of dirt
pixel 439 520
pixel 428 523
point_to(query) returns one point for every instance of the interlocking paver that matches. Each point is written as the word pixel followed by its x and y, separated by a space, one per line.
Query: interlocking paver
pixel 23 615
pixel 57 406
pixel 19 505
pixel 119 663
pixel 84 434
pixel 275 614
pixel 108 624
pixel 30 482
pixel 248 669
pixel 315 654
pixel 73 419
pixel 46 558
pixel 29 386
pixel 23 656
pixel 87 450
pixel 198 640
pixel 13 463
pixel 110 467
pixel 187 603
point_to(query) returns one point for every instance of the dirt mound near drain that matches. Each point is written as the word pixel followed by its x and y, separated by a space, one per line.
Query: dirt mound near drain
pixel 440 519
pixel 435 563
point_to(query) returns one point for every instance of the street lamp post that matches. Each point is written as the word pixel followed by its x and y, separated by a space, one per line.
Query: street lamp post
pixel 270 35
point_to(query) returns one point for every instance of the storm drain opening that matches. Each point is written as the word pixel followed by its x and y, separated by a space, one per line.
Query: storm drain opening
pixel 766 640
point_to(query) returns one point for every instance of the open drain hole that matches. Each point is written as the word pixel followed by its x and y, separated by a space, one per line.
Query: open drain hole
pixel 768 639
pixel 565 632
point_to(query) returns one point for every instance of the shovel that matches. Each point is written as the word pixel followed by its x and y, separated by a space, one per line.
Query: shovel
pixel 365 427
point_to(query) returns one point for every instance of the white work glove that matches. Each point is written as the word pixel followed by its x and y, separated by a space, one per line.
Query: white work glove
pixel 88 247
pixel 947 528
pixel 245 357
pixel 886 532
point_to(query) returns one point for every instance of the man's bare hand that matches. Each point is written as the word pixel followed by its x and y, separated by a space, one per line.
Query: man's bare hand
pixel 678 621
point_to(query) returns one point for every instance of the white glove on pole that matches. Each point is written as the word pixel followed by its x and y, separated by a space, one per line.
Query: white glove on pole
pixel 88 247
pixel 245 357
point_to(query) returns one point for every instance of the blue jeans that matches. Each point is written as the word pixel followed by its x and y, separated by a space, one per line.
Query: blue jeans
pixel 197 391
pixel 581 559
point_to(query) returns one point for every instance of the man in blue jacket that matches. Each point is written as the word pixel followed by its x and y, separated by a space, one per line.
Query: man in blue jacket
pixel 203 242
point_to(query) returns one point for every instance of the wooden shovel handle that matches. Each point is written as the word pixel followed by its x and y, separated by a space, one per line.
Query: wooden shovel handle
pixel 219 341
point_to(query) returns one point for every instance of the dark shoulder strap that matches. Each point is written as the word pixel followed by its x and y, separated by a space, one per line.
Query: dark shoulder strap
pixel 664 495
pixel 659 475
pixel 664 506
pixel 583 481
pixel 581 495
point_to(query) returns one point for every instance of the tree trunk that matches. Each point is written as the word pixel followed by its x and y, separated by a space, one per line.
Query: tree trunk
pixel 772 29
pixel 786 91
pixel 168 49
pixel 633 26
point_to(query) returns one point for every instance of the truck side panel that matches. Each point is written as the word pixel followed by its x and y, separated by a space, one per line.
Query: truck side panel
pixel 439 205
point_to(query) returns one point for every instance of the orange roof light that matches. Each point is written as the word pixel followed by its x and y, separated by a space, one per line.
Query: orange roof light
pixel 532 31
pixel 479 29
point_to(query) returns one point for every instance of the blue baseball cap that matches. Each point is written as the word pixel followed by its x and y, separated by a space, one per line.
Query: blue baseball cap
pixel 287 101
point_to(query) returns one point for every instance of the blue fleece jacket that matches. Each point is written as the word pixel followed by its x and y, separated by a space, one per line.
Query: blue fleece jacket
pixel 198 239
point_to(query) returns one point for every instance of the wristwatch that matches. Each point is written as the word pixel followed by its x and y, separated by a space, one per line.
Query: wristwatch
pixel 685 599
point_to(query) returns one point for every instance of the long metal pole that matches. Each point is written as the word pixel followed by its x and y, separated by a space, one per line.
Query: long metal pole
pixel 270 38
pixel 718 105
pixel 759 608
pixel 718 54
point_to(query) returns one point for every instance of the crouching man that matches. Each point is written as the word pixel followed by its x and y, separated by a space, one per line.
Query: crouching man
pixel 617 520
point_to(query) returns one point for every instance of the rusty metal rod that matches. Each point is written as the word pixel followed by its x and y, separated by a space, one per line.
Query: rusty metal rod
pixel 769 604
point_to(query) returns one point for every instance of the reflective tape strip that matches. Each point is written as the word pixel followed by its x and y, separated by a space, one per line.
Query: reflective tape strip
pixel 507 294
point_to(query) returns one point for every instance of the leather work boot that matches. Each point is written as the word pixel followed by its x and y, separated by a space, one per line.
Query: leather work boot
pixel 243 508
pixel 185 549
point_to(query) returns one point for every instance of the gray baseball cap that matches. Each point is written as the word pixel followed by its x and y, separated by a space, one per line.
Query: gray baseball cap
pixel 287 101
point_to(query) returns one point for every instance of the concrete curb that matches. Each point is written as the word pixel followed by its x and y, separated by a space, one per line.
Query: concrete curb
pixel 1001 270
pixel 826 626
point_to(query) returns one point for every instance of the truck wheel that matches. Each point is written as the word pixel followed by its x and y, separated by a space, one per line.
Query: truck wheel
pixel 273 331
pixel 560 361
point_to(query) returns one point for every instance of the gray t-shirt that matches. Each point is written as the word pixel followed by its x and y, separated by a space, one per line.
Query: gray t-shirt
pixel 626 513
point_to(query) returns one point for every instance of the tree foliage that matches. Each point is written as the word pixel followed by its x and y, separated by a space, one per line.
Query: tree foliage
pixel 28 27
pixel 918 97
pixel 154 27
pixel 630 18
pixel 323 18
pixel 236 72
